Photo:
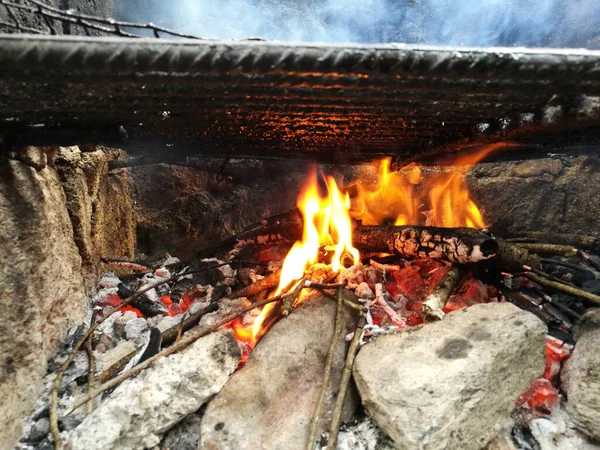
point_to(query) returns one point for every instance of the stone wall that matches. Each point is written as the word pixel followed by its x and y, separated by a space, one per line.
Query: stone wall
pixel 60 210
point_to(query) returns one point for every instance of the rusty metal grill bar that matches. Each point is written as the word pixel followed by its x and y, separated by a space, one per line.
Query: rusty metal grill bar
pixel 264 99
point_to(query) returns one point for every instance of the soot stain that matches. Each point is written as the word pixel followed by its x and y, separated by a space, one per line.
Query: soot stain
pixel 454 349
pixel 480 335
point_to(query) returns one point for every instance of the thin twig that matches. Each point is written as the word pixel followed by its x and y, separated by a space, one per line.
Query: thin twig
pixel 312 435
pixel 571 290
pixel 347 372
pixel 268 282
pixel 543 274
pixel 565 264
pixel 549 249
pixel 89 406
pixel 168 351
pixel 432 307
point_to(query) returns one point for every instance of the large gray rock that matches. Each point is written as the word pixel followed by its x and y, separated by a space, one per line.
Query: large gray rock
pixel 141 409
pixel 270 402
pixel 581 377
pixel 451 384
pixel 41 286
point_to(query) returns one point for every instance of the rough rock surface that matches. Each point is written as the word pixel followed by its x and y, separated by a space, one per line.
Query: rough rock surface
pixel 580 377
pixel 451 384
pixel 270 402
pixel 100 207
pixel 41 287
pixel 539 194
pixel 141 409
pixel 182 209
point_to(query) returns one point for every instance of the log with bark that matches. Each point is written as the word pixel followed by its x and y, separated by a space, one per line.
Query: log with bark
pixel 456 245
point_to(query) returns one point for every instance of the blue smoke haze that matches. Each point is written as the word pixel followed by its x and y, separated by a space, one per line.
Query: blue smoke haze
pixel 531 23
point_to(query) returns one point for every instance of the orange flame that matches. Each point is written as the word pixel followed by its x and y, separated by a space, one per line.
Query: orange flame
pixel 400 196
pixel 326 222
pixel 393 196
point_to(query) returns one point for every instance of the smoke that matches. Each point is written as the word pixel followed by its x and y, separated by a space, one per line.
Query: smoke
pixel 532 23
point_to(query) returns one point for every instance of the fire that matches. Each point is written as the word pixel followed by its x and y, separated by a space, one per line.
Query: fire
pixel 403 198
pixel 326 222
pixel 394 197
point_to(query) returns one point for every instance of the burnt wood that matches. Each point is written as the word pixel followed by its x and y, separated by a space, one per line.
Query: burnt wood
pixel 265 99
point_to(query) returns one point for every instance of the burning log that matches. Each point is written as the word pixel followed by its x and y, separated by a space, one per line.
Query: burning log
pixel 282 228
pixel 457 245
pixel 435 302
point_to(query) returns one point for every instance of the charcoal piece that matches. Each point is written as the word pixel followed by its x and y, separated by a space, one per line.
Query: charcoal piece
pixel 592 286
pixel 146 306
pixel 153 346
pixel 580 277
pixel 218 293
pixel 522 436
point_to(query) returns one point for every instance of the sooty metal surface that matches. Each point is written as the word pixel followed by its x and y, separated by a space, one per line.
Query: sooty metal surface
pixel 267 99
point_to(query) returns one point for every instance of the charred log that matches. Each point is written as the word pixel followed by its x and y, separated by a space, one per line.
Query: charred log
pixel 457 245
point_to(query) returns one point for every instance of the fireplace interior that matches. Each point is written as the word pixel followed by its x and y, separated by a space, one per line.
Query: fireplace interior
pixel 249 244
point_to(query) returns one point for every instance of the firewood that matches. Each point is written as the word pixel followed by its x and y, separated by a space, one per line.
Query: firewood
pixel 312 435
pixel 574 240
pixel 90 377
pixel 548 249
pixel 457 245
pixel 346 374
pixel 194 336
pixel 282 228
pixel 59 375
pixel 268 282
pixel 571 290
pixel 435 302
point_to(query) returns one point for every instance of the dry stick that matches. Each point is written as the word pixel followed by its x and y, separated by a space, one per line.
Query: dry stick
pixel 59 375
pixel 268 282
pixel 339 403
pixel 566 264
pixel 543 274
pixel 89 406
pixel 435 302
pixel 576 240
pixel 563 288
pixel 549 249
pixel 312 435
pixel 166 352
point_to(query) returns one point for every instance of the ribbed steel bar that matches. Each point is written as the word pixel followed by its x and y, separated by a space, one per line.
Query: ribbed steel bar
pixel 264 99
